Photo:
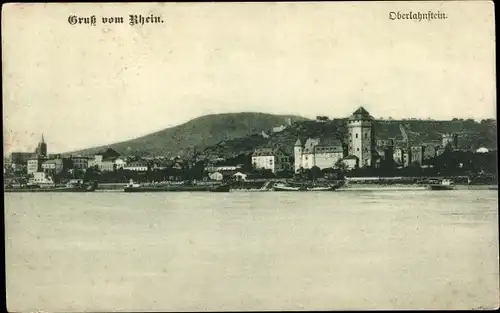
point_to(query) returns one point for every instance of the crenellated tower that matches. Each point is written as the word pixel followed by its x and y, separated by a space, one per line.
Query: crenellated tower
pixel 361 140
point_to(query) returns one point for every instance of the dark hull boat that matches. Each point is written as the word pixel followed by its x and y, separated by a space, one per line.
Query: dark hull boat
pixel 440 187
pixel 443 185
pixel 220 188
pixel 86 188
pixel 285 187
pixel 288 188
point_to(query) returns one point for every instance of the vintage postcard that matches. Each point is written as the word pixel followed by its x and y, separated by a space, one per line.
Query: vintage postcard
pixel 250 156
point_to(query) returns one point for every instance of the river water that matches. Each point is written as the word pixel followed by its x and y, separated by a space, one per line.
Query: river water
pixel 110 251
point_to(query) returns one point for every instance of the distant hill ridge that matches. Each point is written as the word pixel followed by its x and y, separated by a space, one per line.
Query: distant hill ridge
pixel 231 134
pixel 198 133
pixel 471 135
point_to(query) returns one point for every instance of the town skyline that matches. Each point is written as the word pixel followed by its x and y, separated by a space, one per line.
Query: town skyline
pixel 35 137
pixel 84 86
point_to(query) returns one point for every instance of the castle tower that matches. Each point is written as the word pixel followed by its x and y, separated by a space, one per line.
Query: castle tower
pixel 361 141
pixel 297 153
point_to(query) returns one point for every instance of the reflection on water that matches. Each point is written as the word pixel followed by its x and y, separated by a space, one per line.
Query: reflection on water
pixel 252 251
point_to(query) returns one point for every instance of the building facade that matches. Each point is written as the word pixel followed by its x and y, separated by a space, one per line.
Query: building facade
pixel 41 178
pixel 271 159
pixel 54 166
pixel 34 165
pixel 320 152
pixel 138 166
pixel 96 161
pixel 120 163
pixel 398 156
pixel 361 141
pixel 104 160
pixel 430 152
pixel 417 155
pixel 80 162
pixel 107 164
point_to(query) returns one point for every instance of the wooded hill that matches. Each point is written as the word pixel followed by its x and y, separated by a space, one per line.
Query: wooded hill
pixel 471 134
pixel 230 135
pixel 196 134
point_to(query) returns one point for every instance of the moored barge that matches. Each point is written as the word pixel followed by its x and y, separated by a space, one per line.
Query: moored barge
pixel 133 187
pixel 85 187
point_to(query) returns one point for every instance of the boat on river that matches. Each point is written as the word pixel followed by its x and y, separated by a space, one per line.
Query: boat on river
pixel 307 187
pixel 376 187
pixel 444 184
pixel 134 187
pixel 285 187
pixel 319 188
pixel 81 187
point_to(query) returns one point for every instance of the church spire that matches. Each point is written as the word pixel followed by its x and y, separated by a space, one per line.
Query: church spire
pixel 43 140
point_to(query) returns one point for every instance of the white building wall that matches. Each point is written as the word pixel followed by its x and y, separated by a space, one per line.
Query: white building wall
pixel 41 178
pixel 107 166
pixel 360 141
pixel 308 160
pixel 264 162
pixel 297 158
pixel 32 166
pixel 398 156
pixel 327 160
pixel 56 165
pixel 120 163
pixel 96 161
pixel 139 168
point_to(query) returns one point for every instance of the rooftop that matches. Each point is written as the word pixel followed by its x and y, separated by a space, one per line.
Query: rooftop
pixel 361 114
pixel 264 152
pixel 323 142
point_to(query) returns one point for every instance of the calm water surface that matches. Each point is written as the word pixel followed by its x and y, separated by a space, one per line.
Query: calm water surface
pixel 251 251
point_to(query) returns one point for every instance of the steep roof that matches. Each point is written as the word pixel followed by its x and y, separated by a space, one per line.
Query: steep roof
pixel 361 114
pixel 329 141
pixel 53 161
pixel 311 143
pixel 108 159
pixel 109 153
pixel 264 152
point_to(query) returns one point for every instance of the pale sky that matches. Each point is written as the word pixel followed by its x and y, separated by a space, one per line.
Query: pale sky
pixel 84 85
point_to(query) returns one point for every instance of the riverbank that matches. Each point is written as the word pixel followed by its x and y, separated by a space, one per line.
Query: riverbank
pixel 267 184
